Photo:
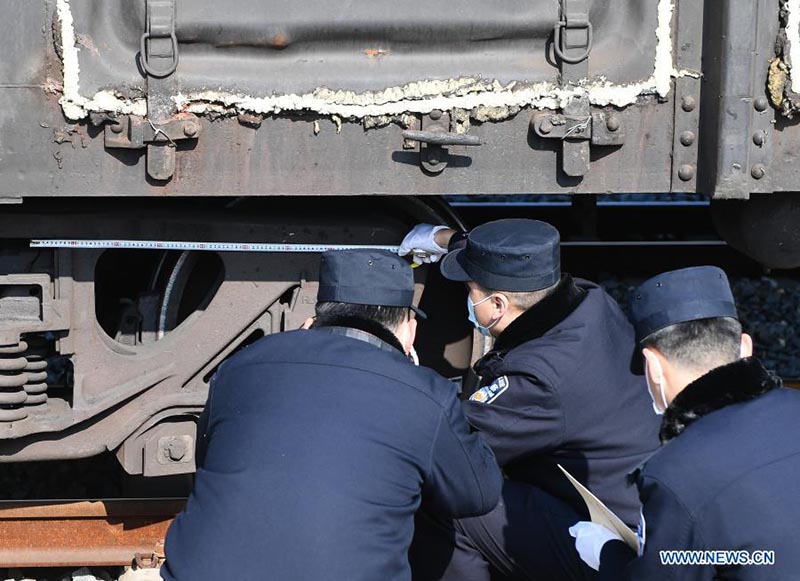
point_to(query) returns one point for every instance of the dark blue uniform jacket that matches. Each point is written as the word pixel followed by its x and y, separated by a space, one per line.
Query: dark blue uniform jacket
pixel 729 482
pixel 558 389
pixel 315 452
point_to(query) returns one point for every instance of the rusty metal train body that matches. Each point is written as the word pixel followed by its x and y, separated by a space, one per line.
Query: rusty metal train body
pixel 311 122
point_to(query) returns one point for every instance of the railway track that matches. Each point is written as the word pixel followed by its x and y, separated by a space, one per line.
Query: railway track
pixel 85 533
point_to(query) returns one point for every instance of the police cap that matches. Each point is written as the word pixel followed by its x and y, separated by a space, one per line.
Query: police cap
pixel 516 255
pixel 366 277
pixel 679 296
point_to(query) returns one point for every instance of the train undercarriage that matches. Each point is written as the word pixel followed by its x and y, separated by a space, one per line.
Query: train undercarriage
pixel 113 350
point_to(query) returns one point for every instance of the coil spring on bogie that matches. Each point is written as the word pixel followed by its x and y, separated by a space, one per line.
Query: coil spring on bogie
pixel 36 384
pixel 12 381
pixel 23 381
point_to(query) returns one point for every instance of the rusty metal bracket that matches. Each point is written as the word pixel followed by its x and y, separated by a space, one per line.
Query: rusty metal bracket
pixel 686 133
pixel 159 62
pixel 162 128
pixel 133 132
pixel 599 128
pixel 572 43
pixel 434 139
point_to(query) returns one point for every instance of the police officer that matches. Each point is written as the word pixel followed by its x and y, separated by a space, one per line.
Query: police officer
pixel 316 447
pixel 557 388
pixel 726 477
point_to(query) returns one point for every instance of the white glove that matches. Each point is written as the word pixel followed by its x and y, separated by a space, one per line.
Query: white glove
pixel 589 541
pixel 421 243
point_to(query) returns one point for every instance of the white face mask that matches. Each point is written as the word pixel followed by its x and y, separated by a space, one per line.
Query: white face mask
pixel 474 320
pixel 659 411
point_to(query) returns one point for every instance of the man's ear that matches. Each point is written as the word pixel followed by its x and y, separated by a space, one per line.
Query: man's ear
pixel 408 335
pixel 653 367
pixel 746 349
pixel 501 302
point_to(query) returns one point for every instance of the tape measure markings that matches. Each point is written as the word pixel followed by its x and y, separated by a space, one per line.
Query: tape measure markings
pixel 202 246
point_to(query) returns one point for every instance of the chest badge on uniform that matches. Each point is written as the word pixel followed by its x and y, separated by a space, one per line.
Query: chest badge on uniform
pixel 491 392
pixel 641 533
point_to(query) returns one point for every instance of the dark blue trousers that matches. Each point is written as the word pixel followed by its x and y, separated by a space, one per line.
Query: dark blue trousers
pixel 525 537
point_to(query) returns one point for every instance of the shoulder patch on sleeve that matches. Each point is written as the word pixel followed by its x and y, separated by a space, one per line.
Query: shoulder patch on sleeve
pixel 491 392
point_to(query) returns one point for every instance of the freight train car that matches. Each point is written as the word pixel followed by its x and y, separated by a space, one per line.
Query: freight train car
pixel 311 122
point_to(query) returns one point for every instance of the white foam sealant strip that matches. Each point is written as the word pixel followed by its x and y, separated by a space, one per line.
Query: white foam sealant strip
pixel 76 106
pixel 793 35
pixel 418 97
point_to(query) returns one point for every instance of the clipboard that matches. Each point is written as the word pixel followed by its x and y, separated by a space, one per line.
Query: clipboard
pixel 601 514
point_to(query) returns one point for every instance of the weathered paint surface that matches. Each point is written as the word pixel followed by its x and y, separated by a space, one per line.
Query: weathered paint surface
pixel 489 98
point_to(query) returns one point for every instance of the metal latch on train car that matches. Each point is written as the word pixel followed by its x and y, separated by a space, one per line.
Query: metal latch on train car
pixel 134 132
pixel 576 133
pixel 600 127
pixel 572 43
pixel 434 138
pixel 162 128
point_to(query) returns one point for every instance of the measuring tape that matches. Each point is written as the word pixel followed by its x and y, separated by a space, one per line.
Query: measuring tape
pixel 202 246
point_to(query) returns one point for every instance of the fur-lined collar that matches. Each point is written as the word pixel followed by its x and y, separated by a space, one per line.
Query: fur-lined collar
pixel 542 316
pixel 736 382
pixel 371 327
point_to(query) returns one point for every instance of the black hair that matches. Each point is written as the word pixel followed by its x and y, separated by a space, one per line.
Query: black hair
pixel 524 300
pixel 330 314
pixel 700 344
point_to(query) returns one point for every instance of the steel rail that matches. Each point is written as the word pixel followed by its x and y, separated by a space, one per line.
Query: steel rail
pixel 84 532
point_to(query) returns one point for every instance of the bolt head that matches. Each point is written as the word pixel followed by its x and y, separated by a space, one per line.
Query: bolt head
pixel 612 123
pixel 436 114
pixel 687 138
pixel 761 104
pixel 688 103
pixel 758 171
pixel 546 126
pixel 176 449
pixel 686 172
pixel 116 127
pixel 190 129
pixel 433 159
pixel 759 137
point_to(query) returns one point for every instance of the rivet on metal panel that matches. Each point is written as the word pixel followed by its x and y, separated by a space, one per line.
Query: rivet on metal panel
pixel 190 129
pixel 759 137
pixel 686 172
pixel 761 104
pixel 687 138
pixel 436 114
pixel 688 103
pixel 758 171
pixel 612 123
